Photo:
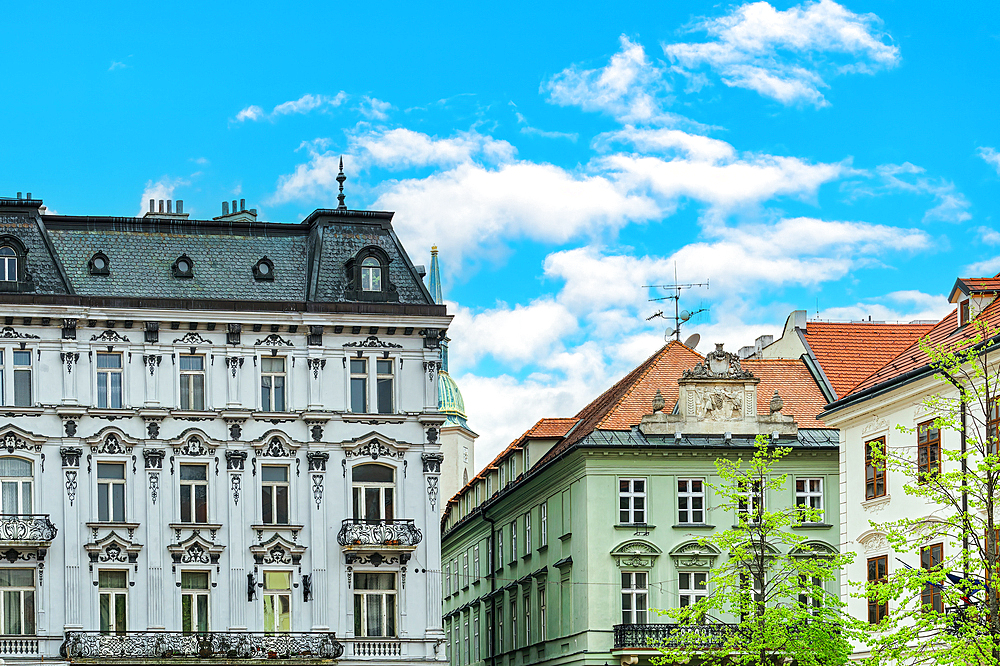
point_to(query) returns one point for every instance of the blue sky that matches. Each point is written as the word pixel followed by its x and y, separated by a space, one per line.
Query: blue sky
pixel 839 158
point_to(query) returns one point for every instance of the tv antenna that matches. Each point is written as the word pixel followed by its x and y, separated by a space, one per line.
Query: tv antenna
pixel 680 316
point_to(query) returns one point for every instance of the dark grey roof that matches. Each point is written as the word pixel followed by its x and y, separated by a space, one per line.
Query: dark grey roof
pixel 634 438
pixel 310 258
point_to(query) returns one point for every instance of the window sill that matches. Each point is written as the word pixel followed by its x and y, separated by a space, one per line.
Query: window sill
pixel 373 419
pixel 260 529
pixel 192 414
pixel 110 414
pixel 13 411
pixel 812 526
pixel 565 536
pixel 111 524
pixel 634 526
pixel 275 417
pixel 544 547
pixel 693 526
pixel 875 504
pixel 526 556
pixel 212 527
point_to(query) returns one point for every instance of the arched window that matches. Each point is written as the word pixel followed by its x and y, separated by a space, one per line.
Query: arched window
pixel 371 274
pixel 374 492
pixel 8 264
pixel 15 486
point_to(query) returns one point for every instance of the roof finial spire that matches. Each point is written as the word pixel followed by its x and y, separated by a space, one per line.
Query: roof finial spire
pixel 340 179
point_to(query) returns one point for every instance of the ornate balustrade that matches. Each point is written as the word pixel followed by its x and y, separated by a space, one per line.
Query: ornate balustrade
pixel 26 527
pixel 138 645
pixel 376 648
pixel 382 533
pixel 670 635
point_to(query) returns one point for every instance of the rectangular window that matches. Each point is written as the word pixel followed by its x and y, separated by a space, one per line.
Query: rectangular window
pixel 475 563
pixel 109 381
pixel 931 557
pixel 875 469
pixel 499 549
pixel 527 533
pixel 753 594
pixel 447 579
pixel 194 493
pixel 17 603
pixel 751 506
pixel 113 590
pixel 22 378
pixel 878 572
pixel 194 601
pixel 272 383
pixel 454 574
pixel 811 596
pixel 992 424
pixel 542 613
pixel 475 635
pixel 513 622
pixel 963 308
pixel 634 597
pixel 374 604
pixel 274 494
pixel 499 634
pixel 465 570
pixel 691 501
pixel 383 385
pixel 192 370
pixel 692 586
pixel 513 541
pixel 631 501
pixel 3 399
pixel 928 451
pixel 466 638
pixel 543 524
pixel 809 495
pixel 527 619
pixel 359 385
pixel 16 484
pixel 277 601
pixel 111 492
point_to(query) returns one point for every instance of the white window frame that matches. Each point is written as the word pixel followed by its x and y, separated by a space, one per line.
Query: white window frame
pixel 806 598
pixel 21 483
pixel 804 497
pixel 686 515
pixel 527 533
pixel 542 610
pixel 351 377
pixel 476 575
pixel 466 638
pixel 8 263
pixel 513 621
pixel 113 593
pixel 753 506
pixel 188 376
pixel 370 274
pixel 272 389
pixel 24 618
pixel 275 594
pixel 447 579
pixel 109 484
pixel 477 652
pixel 500 554
pixel 190 485
pixel 108 393
pixel 526 600
pixel 465 569
pixel 394 592
pixel 287 483
pixel 543 524
pixel 688 592
pixel 9 371
pixel 513 541
pixel 382 487
pixel 382 377
pixel 454 575
pixel 194 594
pixel 633 593
pixel 628 496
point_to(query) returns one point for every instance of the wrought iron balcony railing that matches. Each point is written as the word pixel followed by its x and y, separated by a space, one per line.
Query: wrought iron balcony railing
pixel 384 533
pixel 671 635
pixel 136 645
pixel 26 527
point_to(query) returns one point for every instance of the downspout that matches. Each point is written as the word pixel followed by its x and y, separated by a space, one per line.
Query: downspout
pixel 491 561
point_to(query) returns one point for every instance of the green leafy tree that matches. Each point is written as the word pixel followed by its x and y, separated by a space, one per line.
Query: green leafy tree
pixel 767 602
pixel 944 608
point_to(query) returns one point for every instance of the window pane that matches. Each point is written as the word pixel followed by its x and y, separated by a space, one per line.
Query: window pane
pixel 110 471
pixel 120 624
pixel 384 367
pixel 390 615
pixel 22 388
pixel 277 580
pixel 103 513
pixel 118 502
pixel 358 399
pixel 25 496
pixel 192 362
pixel 282 505
pixel 267 514
pixel 375 626
pixel 116 390
pixel 202 612
pixel 274 473
pixel 194 473
pixel 201 503
pixel 358 366
pixel 194 580
pixel 372 473
pixel 372 503
pixel 185 392
pixel 185 504
pixel 102 390
pixel 29 612
pixel 384 387
pixel 9 496
pixel 198 384
pixel 272 364
pixel 105 613
pixel 109 360
pixel 279 394
pixel 12 612
pixel 186 617
pixel 268 612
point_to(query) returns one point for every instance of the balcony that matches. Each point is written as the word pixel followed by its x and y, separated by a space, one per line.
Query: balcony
pixel 651 636
pixel 26 529
pixel 140 646
pixel 361 534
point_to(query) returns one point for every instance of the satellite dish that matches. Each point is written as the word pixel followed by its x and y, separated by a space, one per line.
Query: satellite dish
pixel 685 315
pixel 669 334
pixel 692 341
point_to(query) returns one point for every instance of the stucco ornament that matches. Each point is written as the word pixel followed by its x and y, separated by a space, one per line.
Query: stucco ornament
pixel 718 364
pixel 874 543
pixel 718 403
pixel 876 424
pixel 694 555
pixel 635 553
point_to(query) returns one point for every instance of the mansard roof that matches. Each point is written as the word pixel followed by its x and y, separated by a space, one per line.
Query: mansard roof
pixel 309 259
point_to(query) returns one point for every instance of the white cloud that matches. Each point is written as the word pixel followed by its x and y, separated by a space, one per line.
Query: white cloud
pixel 951 205
pixel 629 87
pixel 984 268
pixel 987 235
pixel 161 189
pixel 115 64
pixel 303 105
pixel 402 148
pixel 783 55
pixel 668 141
pixel 374 108
pixel 546 134
pixel 991 156
pixel 514 335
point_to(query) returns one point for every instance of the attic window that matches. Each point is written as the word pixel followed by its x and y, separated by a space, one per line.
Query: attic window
pixel 371 274
pixel 963 312
pixel 368 277
pixel 263 269
pixel 99 264
pixel 8 264
pixel 183 267
pixel 14 275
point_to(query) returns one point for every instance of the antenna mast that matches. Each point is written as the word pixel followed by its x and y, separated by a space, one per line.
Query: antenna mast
pixel 680 316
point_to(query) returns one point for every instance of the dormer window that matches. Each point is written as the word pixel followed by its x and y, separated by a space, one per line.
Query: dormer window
pixel 99 264
pixel 183 267
pixel 8 264
pixel 371 275
pixel 963 313
pixel 368 277
pixel 263 269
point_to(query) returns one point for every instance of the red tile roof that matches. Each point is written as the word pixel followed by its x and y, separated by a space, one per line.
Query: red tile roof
pixel 795 384
pixel 974 285
pixel 549 428
pixel 850 352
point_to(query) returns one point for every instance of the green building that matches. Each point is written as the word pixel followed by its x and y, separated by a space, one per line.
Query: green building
pixel 558 550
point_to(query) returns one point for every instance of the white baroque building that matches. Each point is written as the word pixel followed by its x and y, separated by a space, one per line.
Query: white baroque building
pixel 219 439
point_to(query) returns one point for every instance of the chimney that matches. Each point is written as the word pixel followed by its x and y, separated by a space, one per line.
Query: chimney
pixel 180 206
pixel 18 195
pixel 234 206
pixel 243 205
pixel 169 205
pixel 152 205
pixel 161 205
pixel 29 196
pixel 225 208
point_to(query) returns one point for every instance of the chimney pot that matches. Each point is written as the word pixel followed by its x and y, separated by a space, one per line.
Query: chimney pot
pixel 18 195
pixel 180 206
pixel 29 196
pixel 152 205
pixel 253 211
pixel 169 205
pixel 243 204
pixel 225 208
pixel 234 206
pixel 161 205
